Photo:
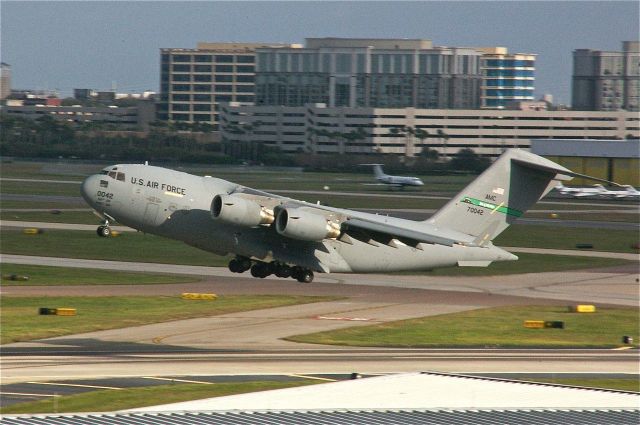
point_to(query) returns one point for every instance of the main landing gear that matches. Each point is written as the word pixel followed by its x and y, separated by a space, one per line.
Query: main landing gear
pixel 104 230
pixel 262 270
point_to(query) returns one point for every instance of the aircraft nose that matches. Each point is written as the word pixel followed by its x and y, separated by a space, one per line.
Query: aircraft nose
pixel 88 188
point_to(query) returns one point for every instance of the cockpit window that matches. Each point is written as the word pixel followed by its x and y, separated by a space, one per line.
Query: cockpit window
pixel 112 174
pixel 120 176
pixel 104 172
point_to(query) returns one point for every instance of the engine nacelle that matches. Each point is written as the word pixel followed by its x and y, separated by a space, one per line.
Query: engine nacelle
pixel 240 211
pixel 299 223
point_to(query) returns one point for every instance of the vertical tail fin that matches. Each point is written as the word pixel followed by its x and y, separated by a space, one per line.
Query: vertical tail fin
pixel 377 170
pixel 501 194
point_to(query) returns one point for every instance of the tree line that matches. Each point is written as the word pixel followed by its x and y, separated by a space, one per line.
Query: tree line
pixel 47 137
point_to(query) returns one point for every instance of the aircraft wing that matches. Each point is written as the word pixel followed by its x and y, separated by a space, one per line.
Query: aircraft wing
pixel 380 227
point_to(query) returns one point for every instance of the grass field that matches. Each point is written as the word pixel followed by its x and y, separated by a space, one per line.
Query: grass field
pixel 558 237
pixel 141 247
pixel 54 276
pixel 630 384
pixel 21 321
pixel 129 246
pixel 492 327
pixel 73 217
pixel 129 398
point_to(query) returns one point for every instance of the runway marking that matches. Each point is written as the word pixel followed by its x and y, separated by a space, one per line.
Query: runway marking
pixel 31 395
pixel 351 319
pixel 295 375
pixel 75 385
pixel 622 348
pixel 178 380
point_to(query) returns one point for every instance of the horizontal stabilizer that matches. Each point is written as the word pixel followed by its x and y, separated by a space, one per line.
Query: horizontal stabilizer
pixel 474 263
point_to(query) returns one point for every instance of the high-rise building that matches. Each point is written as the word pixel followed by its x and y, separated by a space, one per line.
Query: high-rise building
pixel 5 80
pixel 506 78
pixel 607 81
pixel 194 81
pixel 380 73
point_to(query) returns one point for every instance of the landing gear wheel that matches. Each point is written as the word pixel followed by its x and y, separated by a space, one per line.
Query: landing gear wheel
pixel 304 276
pixel 234 266
pixel 103 231
pixel 282 270
pixel 260 270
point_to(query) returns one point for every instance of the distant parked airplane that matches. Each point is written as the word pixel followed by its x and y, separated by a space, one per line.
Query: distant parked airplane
pixel 399 181
pixel 581 192
pixel 628 192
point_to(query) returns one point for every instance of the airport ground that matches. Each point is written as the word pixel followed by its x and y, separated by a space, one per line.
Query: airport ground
pixel 252 343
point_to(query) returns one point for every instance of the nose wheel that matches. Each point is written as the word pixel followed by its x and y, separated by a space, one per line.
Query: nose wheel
pixel 104 231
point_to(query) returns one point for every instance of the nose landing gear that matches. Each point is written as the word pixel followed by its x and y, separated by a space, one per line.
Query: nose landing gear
pixel 261 270
pixel 104 231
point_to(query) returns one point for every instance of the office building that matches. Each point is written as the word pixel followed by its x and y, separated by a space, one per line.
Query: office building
pixel 317 128
pixel 377 73
pixel 108 117
pixel 194 81
pixel 5 80
pixel 506 78
pixel 607 81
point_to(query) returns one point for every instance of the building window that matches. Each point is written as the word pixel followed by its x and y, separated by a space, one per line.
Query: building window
pixel 224 68
pixel 224 58
pixel 202 68
pixel 181 68
pixel 245 68
pixel 245 59
pixel 202 58
pixel 224 78
pixel 182 58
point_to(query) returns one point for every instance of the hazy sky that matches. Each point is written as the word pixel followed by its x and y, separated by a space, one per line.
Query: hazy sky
pixel 89 44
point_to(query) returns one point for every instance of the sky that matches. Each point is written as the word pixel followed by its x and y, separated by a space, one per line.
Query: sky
pixel 62 45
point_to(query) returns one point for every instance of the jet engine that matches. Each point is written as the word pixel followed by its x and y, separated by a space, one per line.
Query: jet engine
pixel 299 223
pixel 234 209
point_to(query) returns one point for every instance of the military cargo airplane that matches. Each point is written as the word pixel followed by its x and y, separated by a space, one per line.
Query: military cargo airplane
pixel 270 234
pixel 394 181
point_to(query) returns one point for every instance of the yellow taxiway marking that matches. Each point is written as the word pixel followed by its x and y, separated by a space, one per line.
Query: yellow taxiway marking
pixel 178 380
pixel 312 377
pixel 75 385
pixel 31 395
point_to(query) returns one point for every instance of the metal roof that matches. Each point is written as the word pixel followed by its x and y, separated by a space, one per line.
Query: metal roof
pixel 627 148
pixel 430 416
pixel 409 391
